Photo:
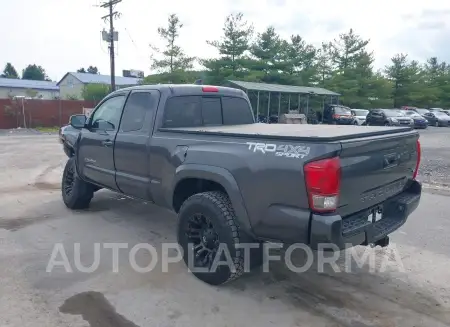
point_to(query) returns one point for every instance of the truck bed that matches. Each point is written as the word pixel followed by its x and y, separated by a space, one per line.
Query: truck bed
pixel 300 132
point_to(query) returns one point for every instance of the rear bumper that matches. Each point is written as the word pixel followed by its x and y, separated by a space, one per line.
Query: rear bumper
pixel 292 225
pixel 357 230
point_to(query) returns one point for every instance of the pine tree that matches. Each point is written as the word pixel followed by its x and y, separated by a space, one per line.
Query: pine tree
pixel 232 48
pixel 9 71
pixel 174 59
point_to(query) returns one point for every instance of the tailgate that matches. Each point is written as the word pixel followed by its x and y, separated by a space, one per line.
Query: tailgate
pixel 374 169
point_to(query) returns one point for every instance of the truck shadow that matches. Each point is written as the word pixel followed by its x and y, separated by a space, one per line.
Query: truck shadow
pixel 354 296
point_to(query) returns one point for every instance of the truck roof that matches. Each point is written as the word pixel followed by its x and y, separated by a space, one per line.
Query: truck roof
pixel 303 132
pixel 187 89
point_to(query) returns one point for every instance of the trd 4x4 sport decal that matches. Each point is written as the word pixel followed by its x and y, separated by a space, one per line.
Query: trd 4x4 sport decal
pixel 283 150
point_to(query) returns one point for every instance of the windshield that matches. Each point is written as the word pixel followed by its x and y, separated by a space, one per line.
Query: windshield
pixel 400 113
pixel 440 114
pixel 342 110
pixel 360 112
pixel 391 113
pixel 422 111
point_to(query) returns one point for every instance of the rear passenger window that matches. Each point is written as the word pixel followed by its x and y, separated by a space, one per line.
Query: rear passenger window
pixel 136 107
pixel 211 111
pixel 183 111
pixel 236 111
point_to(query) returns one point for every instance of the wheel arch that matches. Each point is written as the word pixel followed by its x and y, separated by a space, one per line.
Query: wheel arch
pixel 191 179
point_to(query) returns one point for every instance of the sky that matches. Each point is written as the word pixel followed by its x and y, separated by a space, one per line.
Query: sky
pixel 65 35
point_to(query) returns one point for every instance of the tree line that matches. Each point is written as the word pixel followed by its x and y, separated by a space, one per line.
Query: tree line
pixel 31 72
pixel 37 73
pixel 344 65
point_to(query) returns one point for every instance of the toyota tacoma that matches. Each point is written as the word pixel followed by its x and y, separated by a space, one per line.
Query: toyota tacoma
pixel 198 151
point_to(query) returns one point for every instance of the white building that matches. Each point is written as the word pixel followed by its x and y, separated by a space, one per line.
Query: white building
pixel 10 87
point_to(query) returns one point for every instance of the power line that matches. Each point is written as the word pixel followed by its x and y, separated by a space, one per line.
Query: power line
pixel 111 36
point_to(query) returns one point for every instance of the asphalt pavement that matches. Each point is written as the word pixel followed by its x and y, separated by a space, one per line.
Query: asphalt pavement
pixel 407 286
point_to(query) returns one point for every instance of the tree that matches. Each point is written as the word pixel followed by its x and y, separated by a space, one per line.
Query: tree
pixel 174 60
pixel 95 92
pixel 9 71
pixel 89 70
pixel 299 61
pixel 406 80
pixel 324 65
pixel 34 72
pixel 31 93
pixel 92 70
pixel 232 48
pixel 347 50
pixel 267 54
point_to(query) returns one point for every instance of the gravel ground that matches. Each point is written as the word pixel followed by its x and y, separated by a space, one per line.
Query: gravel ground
pixel 413 290
pixel 435 165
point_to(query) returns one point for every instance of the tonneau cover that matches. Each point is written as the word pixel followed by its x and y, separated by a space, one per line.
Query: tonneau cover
pixel 295 131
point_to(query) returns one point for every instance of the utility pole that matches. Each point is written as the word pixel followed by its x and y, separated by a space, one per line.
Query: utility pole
pixel 111 36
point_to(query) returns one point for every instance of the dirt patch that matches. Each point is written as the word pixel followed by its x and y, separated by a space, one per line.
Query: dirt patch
pixel 95 309
pixel 14 224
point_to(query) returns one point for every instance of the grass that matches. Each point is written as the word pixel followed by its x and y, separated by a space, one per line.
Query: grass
pixel 54 129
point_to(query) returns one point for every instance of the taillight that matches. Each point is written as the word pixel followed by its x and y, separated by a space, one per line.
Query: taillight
pixel 336 116
pixel 419 155
pixel 323 180
pixel 210 89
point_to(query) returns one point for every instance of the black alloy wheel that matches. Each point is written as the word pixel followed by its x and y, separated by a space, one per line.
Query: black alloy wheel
pixel 69 180
pixel 205 240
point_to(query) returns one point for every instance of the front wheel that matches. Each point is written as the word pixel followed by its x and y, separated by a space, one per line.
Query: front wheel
pixel 76 193
pixel 209 234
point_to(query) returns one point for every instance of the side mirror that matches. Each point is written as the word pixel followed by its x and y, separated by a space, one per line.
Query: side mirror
pixel 78 121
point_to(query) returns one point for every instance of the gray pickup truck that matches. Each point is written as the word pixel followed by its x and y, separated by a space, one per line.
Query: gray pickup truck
pixel 198 151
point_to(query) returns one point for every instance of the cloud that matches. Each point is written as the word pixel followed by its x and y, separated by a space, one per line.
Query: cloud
pixel 64 35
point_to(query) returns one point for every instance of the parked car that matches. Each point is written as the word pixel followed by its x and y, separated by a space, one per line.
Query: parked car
pixel 359 116
pixel 436 109
pixel 437 118
pixel 419 120
pixel 194 149
pixel 447 111
pixel 421 111
pixel 388 117
pixel 337 115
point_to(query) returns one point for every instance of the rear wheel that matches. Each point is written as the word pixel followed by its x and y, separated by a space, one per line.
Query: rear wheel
pixel 76 193
pixel 208 233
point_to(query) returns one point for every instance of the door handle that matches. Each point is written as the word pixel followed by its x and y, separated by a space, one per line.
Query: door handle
pixel 107 143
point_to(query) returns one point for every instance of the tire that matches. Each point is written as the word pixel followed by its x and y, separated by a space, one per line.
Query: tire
pixel 387 124
pixel 436 124
pixel 76 193
pixel 210 215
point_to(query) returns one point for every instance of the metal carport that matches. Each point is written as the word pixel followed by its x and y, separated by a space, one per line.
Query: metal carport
pixel 298 97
